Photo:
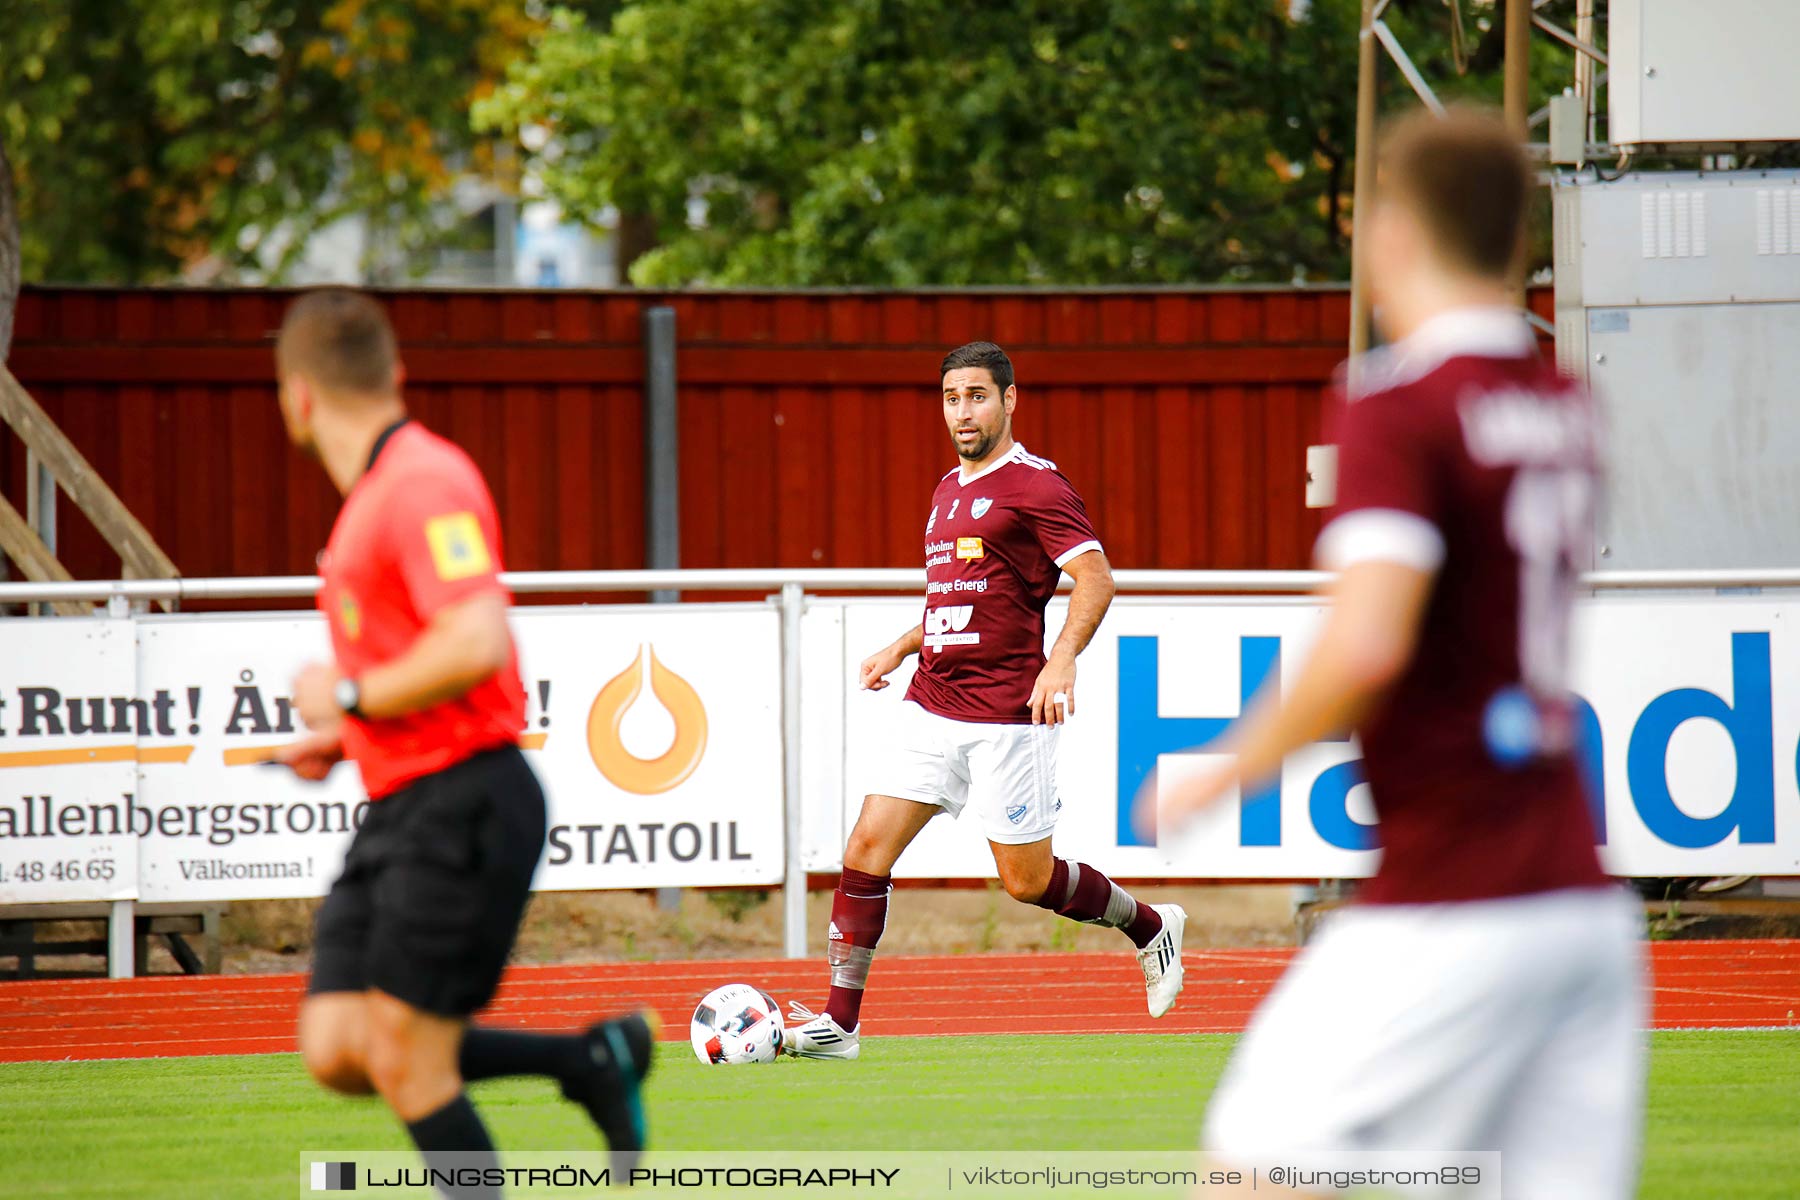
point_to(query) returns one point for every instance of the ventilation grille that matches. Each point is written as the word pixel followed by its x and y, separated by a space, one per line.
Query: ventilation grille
pixel 1778 221
pixel 1673 224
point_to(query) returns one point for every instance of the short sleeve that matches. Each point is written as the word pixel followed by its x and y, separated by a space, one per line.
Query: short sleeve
pixel 1059 520
pixel 445 541
pixel 1386 508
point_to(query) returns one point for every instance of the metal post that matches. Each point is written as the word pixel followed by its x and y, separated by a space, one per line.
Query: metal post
pixel 1584 67
pixel 506 214
pixel 40 509
pixel 662 464
pixel 121 940
pixel 793 890
pixel 662 471
pixel 1367 58
pixel 1518 65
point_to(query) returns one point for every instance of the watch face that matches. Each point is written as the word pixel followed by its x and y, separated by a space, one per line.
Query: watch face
pixel 346 694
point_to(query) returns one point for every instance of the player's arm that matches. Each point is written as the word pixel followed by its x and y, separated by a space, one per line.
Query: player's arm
pixel 1386 544
pixel 1093 594
pixel 438 542
pixel 1368 641
pixel 313 756
pixel 463 645
pixel 884 662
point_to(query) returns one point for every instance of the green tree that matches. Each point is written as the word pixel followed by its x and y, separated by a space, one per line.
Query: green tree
pixel 145 134
pixel 911 142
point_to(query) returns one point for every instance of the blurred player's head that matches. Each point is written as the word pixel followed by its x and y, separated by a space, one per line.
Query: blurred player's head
pixel 1448 225
pixel 978 398
pixel 336 357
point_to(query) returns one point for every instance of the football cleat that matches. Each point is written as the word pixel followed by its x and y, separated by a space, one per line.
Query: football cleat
pixel 1161 960
pixel 817 1035
pixel 620 1052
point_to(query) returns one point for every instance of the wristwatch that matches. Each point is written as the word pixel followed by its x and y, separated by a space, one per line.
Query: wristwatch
pixel 347 694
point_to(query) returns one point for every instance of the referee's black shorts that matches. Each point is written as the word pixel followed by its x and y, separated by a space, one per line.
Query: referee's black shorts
pixel 433 887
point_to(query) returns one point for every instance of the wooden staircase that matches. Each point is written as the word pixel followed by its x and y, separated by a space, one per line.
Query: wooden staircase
pixel 139 555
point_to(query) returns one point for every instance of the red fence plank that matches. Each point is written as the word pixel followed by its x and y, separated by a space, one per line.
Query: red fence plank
pixel 810 431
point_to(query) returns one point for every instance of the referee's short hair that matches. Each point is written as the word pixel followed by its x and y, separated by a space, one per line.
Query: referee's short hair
pixel 1466 177
pixel 341 340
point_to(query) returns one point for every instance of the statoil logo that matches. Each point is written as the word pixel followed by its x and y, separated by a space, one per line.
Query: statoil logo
pixel 624 769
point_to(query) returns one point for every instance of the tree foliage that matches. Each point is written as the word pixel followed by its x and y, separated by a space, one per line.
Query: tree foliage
pixel 914 142
pixel 144 134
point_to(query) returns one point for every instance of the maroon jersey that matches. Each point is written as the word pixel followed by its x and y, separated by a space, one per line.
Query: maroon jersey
pixel 1462 452
pixel 995 545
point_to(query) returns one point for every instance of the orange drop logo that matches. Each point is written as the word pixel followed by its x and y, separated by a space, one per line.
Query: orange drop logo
pixel 625 770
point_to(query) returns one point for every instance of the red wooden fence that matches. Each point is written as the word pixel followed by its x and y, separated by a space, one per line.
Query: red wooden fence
pixel 810 429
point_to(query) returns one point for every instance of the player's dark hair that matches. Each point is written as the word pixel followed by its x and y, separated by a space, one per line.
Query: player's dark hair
pixel 341 339
pixel 1466 176
pixel 980 354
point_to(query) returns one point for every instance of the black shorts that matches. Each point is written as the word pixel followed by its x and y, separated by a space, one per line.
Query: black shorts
pixel 433 887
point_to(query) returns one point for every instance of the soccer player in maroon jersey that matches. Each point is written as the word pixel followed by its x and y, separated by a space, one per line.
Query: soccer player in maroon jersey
pixel 980 721
pixel 1486 993
pixel 424 696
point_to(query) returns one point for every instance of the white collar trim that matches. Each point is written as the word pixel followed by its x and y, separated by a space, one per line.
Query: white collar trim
pixel 1474 332
pixel 964 479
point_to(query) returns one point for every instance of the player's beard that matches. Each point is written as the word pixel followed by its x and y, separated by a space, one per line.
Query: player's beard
pixel 978 449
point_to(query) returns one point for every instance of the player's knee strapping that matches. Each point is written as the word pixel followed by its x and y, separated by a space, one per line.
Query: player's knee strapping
pixel 858 916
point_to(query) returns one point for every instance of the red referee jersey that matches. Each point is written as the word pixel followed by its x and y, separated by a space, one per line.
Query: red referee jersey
pixel 416 534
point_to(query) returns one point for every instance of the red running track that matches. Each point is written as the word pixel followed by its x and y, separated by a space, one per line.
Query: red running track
pixel 1704 985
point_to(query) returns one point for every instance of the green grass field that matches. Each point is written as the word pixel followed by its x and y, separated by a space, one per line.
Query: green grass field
pixel 1724 1112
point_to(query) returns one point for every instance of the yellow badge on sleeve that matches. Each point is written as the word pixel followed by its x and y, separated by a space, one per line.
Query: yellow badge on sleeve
pixel 350 616
pixel 457 547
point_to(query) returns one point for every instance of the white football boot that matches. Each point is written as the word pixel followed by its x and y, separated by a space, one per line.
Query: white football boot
pixel 1161 960
pixel 819 1036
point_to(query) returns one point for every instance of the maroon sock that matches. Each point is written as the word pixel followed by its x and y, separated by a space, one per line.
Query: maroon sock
pixel 858 915
pixel 1080 893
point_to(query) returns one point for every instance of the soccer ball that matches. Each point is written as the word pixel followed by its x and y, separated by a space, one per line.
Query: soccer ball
pixel 737 1023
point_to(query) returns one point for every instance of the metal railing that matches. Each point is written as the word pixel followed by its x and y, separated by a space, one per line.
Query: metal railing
pixel 790 587
pixel 818 579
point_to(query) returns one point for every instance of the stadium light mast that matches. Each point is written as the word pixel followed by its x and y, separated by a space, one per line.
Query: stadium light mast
pixel 1363 193
pixel 1520 17
pixel 1517 68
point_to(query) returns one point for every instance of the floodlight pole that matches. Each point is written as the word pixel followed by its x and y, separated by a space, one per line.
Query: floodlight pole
pixel 1367 59
pixel 1518 65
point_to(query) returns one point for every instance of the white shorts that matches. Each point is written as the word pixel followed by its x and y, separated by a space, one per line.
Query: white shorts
pixel 1514 1025
pixel 1009 771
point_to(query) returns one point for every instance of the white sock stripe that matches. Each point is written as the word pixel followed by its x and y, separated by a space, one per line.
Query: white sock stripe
pixel 1074 878
pixel 1120 908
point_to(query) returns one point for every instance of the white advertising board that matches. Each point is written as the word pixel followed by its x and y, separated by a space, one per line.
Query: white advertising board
pixel 130 748
pixel 69 723
pixel 656 733
pixel 1692 714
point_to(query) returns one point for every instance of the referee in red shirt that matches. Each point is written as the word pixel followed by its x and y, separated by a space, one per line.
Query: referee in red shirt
pixel 424 696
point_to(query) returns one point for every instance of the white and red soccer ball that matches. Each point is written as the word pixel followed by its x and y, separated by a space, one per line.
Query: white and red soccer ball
pixel 737 1023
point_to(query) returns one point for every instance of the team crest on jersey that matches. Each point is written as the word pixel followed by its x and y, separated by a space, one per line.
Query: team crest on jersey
pixel 967 548
pixel 979 509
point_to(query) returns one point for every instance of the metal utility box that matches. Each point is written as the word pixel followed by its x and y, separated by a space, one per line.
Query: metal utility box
pixel 1678 299
pixel 1710 72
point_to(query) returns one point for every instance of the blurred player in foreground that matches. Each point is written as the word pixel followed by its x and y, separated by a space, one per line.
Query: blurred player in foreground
pixel 980 721
pixel 424 696
pixel 1487 992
